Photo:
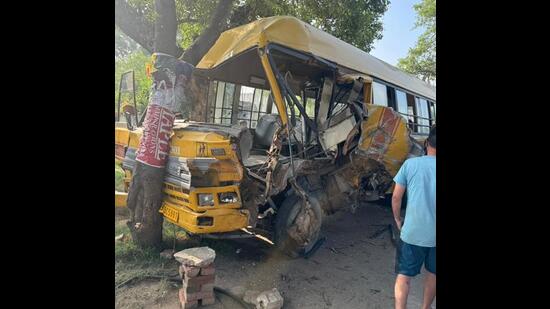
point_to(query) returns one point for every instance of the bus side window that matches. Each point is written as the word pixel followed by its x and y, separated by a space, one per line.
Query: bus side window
pixel 401 103
pixel 411 110
pixel 391 98
pixel 380 94
pixel 432 113
pixel 423 123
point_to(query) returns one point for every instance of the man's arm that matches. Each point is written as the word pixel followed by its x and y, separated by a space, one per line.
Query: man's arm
pixel 396 199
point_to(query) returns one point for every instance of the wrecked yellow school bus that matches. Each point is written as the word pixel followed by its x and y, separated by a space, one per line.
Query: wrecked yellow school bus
pixel 297 125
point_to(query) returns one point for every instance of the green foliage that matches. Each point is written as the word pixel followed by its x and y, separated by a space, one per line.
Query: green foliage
pixel 145 7
pixel 357 22
pixel 421 59
pixel 128 252
pixel 136 61
pixel 123 44
pixel 119 178
pixel 426 13
pixel 187 33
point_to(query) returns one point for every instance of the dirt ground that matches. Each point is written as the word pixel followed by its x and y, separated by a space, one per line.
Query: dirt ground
pixel 350 270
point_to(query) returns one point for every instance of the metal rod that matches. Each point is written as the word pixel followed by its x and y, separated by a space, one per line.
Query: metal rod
pixel 134 91
pixel 119 97
pixel 415 116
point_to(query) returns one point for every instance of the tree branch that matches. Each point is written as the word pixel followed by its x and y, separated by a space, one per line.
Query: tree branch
pixel 208 37
pixel 166 28
pixel 134 24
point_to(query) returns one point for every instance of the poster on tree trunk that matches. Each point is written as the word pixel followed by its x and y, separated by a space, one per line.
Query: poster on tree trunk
pixel 154 145
pixel 170 75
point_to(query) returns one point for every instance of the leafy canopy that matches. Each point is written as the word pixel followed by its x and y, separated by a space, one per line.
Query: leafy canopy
pixel 421 59
pixel 357 22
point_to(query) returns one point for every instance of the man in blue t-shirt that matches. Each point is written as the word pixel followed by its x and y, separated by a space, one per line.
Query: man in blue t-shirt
pixel 417 246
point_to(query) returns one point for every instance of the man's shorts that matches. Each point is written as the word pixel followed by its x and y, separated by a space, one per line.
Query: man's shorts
pixel 410 258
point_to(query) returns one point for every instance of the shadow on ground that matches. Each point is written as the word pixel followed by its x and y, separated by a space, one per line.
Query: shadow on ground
pixel 352 269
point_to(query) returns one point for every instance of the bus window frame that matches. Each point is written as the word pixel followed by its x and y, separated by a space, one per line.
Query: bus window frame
pixel 213 104
pixel 390 87
pixel 385 93
pixel 415 115
pixel 420 115
pixel 431 111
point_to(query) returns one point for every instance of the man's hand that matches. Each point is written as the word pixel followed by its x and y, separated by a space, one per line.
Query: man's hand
pixel 398 193
pixel 398 223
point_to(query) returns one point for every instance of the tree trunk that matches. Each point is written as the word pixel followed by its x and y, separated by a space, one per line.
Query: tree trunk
pixel 135 25
pixel 198 95
pixel 166 28
pixel 145 192
pixel 144 201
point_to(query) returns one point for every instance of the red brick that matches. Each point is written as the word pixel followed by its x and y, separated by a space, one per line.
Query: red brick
pixel 198 281
pixel 207 301
pixel 191 271
pixel 191 289
pixel 184 303
pixel 209 270
pixel 209 287
pixel 197 295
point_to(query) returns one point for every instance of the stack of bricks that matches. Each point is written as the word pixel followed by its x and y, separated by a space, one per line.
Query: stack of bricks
pixel 197 272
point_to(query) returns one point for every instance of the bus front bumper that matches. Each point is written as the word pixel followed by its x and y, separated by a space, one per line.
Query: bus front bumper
pixel 216 220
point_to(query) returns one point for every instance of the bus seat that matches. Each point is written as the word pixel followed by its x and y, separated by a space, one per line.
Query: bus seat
pixel 267 126
pixel 265 129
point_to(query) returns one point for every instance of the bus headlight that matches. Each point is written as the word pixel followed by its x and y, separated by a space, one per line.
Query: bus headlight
pixel 228 197
pixel 206 199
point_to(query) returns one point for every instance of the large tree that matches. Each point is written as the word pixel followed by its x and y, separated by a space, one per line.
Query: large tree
pixel 421 58
pixel 186 29
pixel 193 26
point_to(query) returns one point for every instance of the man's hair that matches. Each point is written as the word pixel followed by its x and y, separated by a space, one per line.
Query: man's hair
pixel 431 137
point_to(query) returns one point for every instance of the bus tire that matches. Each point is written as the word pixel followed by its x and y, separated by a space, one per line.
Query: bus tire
pixel 285 218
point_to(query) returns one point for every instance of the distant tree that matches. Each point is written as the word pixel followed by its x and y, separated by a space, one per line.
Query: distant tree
pixel 124 45
pixel 421 58
pixel 135 61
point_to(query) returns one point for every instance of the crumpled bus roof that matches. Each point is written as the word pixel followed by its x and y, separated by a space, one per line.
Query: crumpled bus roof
pixel 296 34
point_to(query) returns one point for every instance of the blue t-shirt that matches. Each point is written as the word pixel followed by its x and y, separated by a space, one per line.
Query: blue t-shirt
pixel 418 176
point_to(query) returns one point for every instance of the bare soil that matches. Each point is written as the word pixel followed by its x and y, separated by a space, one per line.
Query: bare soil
pixel 350 270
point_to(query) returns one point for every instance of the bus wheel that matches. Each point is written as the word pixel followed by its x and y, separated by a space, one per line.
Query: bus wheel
pixel 297 228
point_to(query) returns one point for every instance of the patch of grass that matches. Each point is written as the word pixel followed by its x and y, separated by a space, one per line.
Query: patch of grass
pixel 121 228
pixel 126 251
pixel 127 271
pixel 132 261
pixel 119 178
pixel 170 232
